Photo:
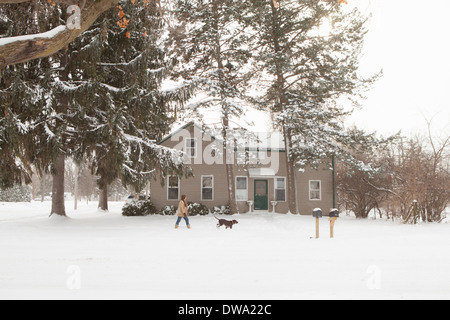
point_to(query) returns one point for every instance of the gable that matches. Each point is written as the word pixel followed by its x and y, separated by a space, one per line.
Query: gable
pixel 253 141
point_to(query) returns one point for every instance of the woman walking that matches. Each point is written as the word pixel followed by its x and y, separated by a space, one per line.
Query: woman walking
pixel 183 212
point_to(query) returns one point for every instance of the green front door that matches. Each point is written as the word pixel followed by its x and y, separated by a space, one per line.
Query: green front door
pixel 261 195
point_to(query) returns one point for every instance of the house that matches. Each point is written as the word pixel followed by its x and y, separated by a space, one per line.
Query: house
pixel 259 169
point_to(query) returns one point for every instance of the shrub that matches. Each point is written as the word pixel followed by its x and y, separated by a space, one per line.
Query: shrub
pixel 17 193
pixel 222 210
pixel 168 211
pixel 197 209
pixel 138 208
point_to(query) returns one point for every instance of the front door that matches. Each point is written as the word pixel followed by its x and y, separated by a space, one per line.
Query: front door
pixel 261 195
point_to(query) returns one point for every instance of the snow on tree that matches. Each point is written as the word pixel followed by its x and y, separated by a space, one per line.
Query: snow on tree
pixel 18 193
pixel 101 98
pixel 307 74
pixel 18 46
pixel 209 41
pixel 124 109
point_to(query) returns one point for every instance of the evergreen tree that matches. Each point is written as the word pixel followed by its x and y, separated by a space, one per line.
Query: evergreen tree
pixel 308 73
pixel 123 110
pixel 13 169
pixel 210 43
pixel 35 112
pixel 99 99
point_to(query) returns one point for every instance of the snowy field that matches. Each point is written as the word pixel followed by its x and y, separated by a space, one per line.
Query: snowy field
pixel 97 255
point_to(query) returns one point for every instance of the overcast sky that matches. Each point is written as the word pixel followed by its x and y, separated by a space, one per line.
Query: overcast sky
pixel 410 41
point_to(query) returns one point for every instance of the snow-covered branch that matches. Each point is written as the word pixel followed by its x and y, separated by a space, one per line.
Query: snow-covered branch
pixel 20 49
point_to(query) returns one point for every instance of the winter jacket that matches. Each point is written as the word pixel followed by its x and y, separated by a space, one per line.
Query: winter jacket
pixel 182 209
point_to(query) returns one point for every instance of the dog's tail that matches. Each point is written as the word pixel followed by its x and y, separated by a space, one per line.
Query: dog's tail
pixel 215 216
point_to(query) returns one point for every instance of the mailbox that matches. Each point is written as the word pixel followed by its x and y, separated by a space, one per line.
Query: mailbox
pixel 317 213
pixel 334 213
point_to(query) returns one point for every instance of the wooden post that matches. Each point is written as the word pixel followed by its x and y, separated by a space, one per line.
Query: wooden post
pixel 317 228
pixel 332 221
pixel 416 212
pixel 317 213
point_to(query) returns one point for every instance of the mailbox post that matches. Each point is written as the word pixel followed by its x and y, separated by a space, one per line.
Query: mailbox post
pixel 317 213
pixel 334 214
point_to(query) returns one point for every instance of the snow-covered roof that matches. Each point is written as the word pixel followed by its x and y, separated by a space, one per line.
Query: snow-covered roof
pixel 261 172
pixel 245 140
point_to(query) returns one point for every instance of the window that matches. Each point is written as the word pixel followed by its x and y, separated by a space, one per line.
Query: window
pixel 173 188
pixel 241 189
pixel 191 147
pixel 280 189
pixel 207 187
pixel 314 190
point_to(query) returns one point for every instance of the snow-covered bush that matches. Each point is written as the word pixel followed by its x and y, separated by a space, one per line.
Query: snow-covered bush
pixel 168 211
pixel 222 210
pixel 197 209
pixel 139 208
pixel 16 194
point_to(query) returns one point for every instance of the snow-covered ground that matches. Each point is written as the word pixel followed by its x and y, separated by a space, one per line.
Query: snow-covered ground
pixel 96 255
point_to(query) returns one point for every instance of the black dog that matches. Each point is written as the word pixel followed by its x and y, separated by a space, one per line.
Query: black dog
pixel 226 223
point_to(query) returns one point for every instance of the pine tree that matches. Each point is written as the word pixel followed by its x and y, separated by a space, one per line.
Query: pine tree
pixel 22 88
pixel 36 112
pixel 308 73
pixel 99 99
pixel 123 110
pixel 210 43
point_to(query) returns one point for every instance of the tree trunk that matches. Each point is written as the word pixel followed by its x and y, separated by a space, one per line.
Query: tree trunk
pixel 103 199
pixel 225 114
pixel 58 205
pixel 75 191
pixel 42 188
pixel 290 178
pixel 231 192
pixel 282 100
pixel 229 168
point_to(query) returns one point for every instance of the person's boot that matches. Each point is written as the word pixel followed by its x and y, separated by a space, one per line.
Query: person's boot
pixel 176 226
pixel 189 226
